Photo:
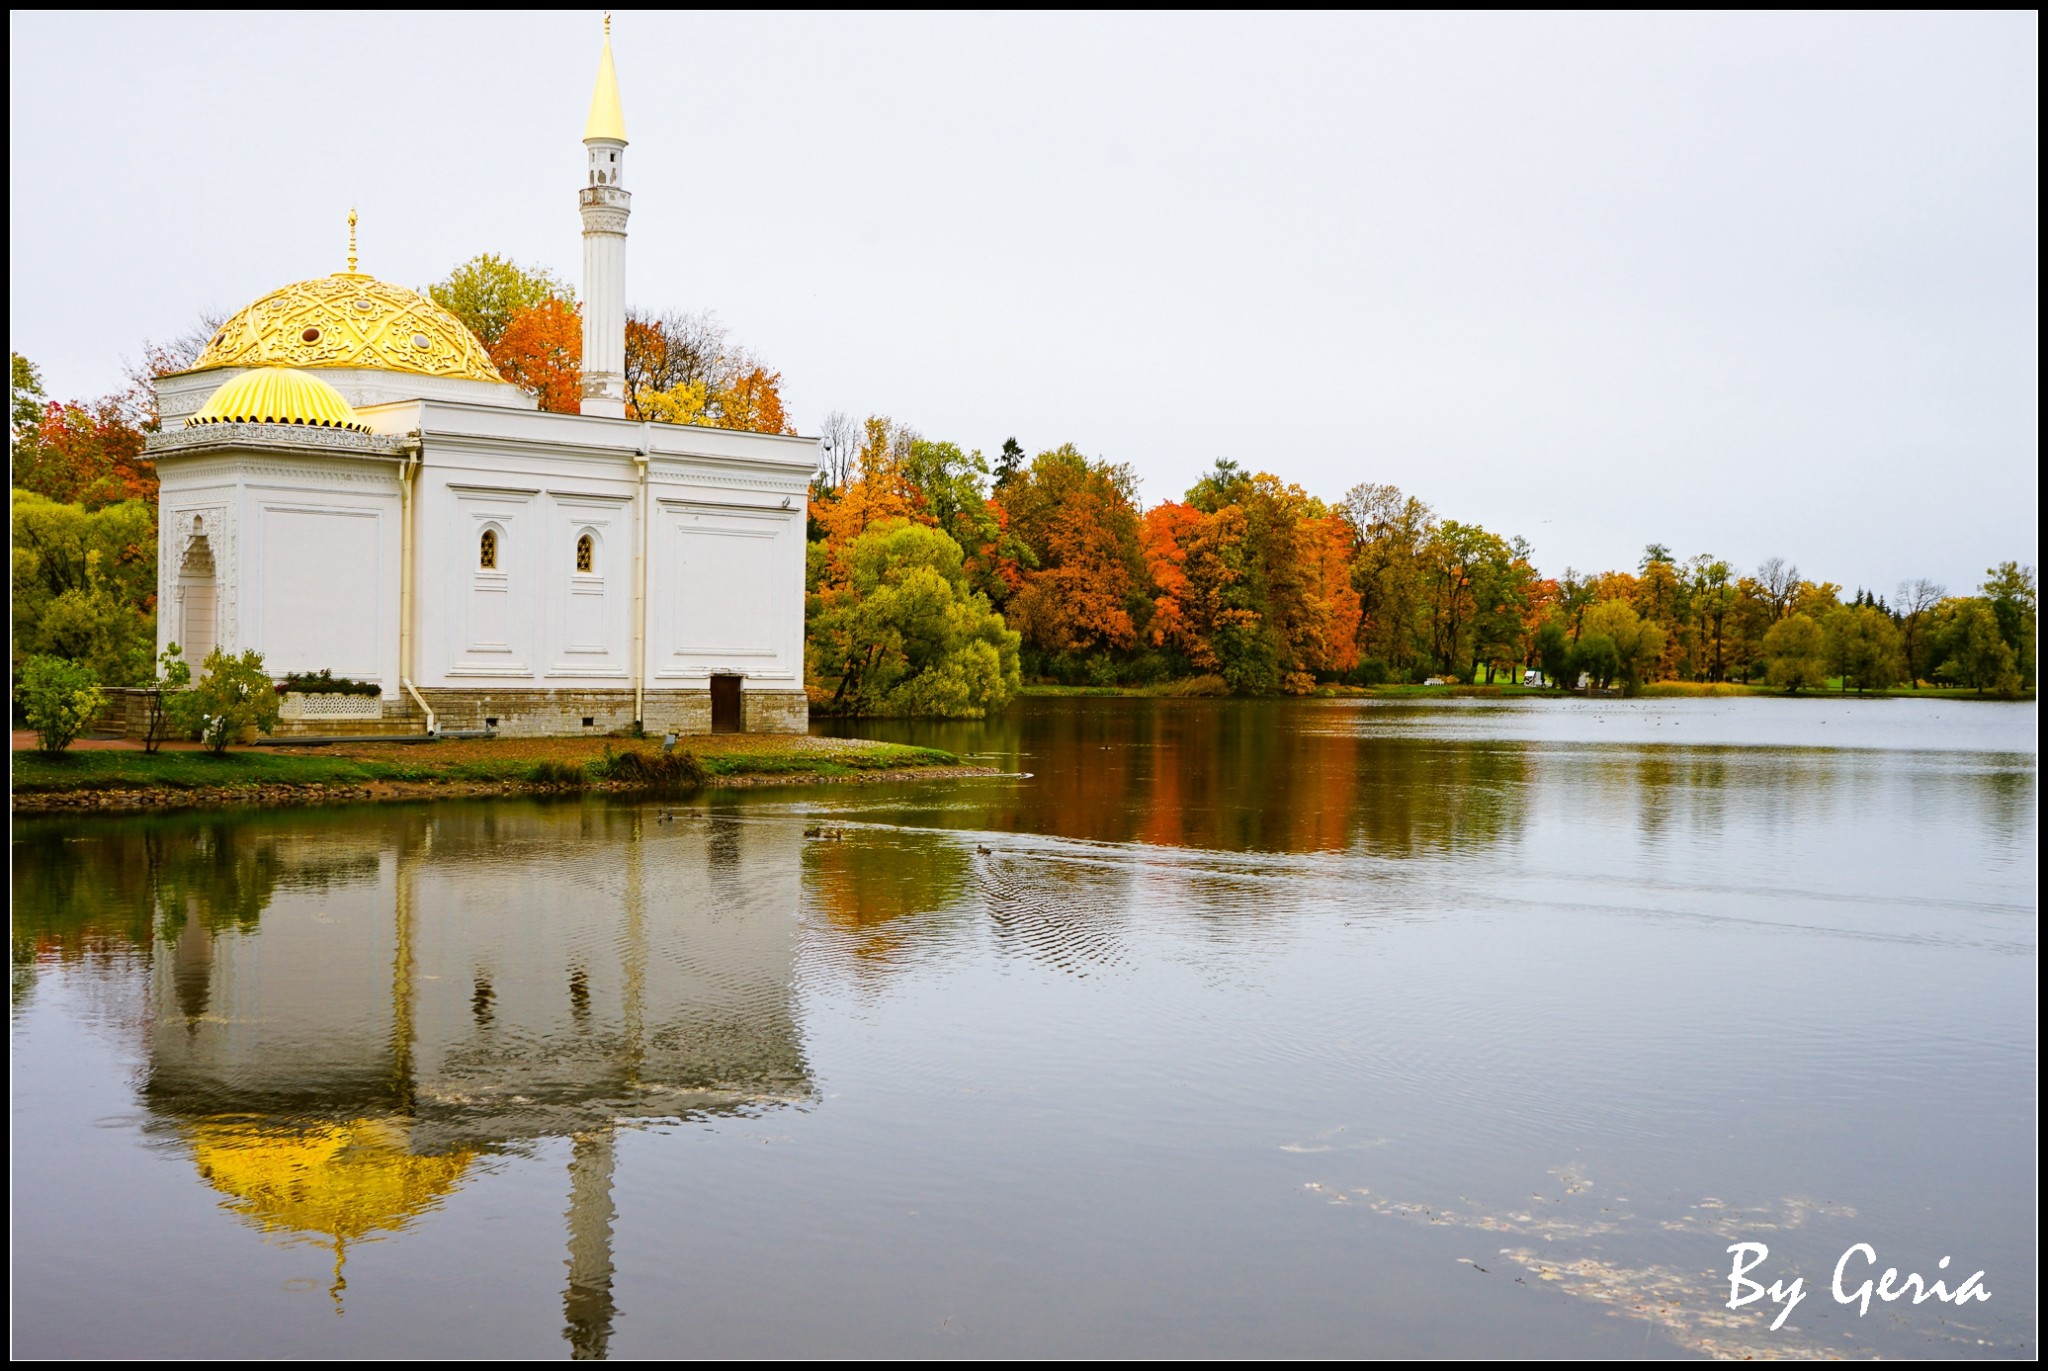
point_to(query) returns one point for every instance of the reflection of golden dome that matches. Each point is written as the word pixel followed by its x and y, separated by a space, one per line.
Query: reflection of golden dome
pixel 278 395
pixel 349 320
pixel 339 1181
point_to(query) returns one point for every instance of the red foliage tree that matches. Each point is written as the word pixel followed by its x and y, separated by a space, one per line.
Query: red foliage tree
pixel 541 350
pixel 87 454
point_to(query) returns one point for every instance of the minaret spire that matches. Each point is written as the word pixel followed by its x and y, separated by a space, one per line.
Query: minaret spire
pixel 605 209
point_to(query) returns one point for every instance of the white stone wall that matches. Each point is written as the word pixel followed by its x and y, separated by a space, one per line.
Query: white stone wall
pixel 305 531
pixel 305 547
pixel 725 555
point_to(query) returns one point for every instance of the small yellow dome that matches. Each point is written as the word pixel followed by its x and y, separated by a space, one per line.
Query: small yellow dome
pixel 349 320
pixel 278 395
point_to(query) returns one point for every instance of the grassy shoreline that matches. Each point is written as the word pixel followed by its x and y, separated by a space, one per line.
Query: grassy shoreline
pixel 107 779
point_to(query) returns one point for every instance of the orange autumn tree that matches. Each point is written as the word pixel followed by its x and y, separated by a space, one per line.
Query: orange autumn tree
pixel 684 368
pixel 1079 518
pixel 541 351
pixel 1328 548
pixel 879 490
pixel 1197 560
pixel 1253 582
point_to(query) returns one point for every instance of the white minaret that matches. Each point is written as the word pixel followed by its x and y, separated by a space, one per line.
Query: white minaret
pixel 605 208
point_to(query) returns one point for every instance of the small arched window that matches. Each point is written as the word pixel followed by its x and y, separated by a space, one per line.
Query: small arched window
pixel 586 554
pixel 487 551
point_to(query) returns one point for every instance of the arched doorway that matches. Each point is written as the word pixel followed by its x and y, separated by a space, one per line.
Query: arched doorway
pixel 198 631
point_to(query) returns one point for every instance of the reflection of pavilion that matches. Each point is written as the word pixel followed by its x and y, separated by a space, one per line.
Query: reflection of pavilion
pixel 491 977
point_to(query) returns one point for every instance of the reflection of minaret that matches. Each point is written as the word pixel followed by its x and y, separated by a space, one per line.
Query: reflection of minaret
pixel 402 970
pixel 192 969
pixel 587 1304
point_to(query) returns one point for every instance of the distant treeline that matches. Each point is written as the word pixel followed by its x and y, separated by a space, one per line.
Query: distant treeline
pixel 1270 590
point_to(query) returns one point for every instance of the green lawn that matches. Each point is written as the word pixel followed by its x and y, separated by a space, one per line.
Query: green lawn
pixel 244 769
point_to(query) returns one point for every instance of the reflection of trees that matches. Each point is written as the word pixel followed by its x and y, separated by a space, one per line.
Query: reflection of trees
pixel 1227 775
pixel 84 887
pixel 872 884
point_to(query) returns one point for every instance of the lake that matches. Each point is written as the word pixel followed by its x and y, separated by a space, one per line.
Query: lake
pixel 1304 1028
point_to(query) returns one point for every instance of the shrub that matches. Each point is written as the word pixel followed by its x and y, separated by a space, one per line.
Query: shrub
pixel 234 695
pixel 325 682
pixel 569 775
pixel 1192 687
pixel 1371 672
pixel 1149 668
pixel 58 699
pixel 173 677
pixel 676 770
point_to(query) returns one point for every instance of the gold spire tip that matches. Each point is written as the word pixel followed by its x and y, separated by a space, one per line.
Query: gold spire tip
pixel 607 23
pixel 351 240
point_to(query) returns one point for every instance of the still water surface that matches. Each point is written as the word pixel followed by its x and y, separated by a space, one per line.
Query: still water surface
pixel 1318 1028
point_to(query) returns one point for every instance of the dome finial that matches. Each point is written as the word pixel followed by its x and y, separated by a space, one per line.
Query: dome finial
pixel 606 119
pixel 351 240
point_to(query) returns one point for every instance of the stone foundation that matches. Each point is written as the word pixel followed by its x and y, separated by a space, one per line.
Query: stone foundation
pixel 562 713
pixel 518 714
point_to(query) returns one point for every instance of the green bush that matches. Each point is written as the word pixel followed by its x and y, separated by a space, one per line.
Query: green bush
pixel 325 682
pixel 58 699
pixel 234 695
pixel 173 678
pixel 569 775
pixel 1371 672
pixel 676 770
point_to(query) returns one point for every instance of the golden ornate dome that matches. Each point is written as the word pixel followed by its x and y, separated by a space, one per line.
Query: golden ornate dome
pixel 349 320
pixel 278 395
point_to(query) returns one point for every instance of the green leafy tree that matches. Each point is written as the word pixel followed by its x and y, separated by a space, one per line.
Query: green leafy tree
pixel 488 291
pixel 1795 654
pixel 1974 652
pixel 58 700
pixel 952 484
pixel 28 397
pixel 900 632
pixel 1862 645
pixel 1010 463
pixel 2014 603
pixel 1638 643
pixel 85 584
pixel 1594 654
pixel 234 695
pixel 1387 571
pixel 1554 653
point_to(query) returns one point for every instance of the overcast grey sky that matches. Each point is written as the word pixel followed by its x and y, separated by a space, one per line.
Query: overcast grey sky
pixel 1754 285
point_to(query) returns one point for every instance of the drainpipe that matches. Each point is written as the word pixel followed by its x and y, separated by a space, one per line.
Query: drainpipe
pixel 407 475
pixel 640 460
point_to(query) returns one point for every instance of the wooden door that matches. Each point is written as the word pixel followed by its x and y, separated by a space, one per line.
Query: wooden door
pixel 725 704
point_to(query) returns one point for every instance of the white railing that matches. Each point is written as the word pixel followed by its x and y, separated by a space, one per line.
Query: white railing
pixel 351 708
